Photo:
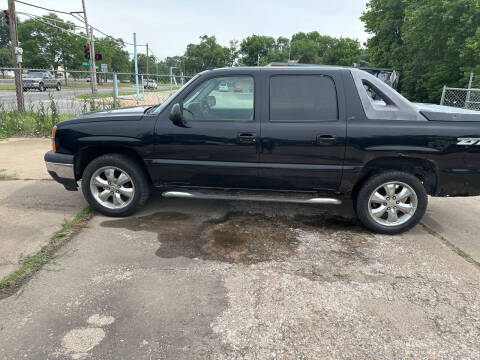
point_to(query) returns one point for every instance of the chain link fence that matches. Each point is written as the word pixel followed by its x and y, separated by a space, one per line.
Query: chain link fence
pixel 70 91
pixel 463 98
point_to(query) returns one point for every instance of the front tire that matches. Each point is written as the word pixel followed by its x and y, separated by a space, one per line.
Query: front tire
pixel 58 87
pixel 41 88
pixel 115 185
pixel 391 203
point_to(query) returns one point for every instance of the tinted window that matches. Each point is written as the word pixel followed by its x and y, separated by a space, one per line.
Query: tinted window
pixel 373 94
pixel 221 99
pixel 303 98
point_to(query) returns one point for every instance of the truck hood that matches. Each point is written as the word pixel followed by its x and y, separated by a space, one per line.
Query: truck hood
pixel 133 113
pixel 447 113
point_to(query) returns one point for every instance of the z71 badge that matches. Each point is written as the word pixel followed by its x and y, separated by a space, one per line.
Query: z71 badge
pixel 468 141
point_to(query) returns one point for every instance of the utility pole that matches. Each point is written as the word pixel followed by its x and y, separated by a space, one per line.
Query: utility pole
pixel 147 61
pixel 93 75
pixel 18 66
pixel 136 64
pixel 469 93
pixel 171 77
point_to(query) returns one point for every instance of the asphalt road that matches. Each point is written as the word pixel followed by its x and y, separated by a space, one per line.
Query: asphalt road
pixel 65 99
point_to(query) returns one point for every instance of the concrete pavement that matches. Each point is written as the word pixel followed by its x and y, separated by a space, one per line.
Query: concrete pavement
pixel 22 158
pixel 189 279
pixel 31 212
pixel 458 221
pixel 33 207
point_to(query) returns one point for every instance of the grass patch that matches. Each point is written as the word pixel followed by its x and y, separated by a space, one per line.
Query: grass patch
pixel 463 254
pixel 104 95
pixel 6 177
pixel 7 86
pixel 29 123
pixel 33 263
pixel 69 86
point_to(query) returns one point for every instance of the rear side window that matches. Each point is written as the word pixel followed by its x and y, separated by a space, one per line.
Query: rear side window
pixel 303 98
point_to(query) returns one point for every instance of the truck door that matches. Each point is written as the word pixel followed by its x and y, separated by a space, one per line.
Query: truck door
pixel 219 145
pixel 303 130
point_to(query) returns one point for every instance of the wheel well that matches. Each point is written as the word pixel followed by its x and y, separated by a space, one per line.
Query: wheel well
pixel 85 156
pixel 424 170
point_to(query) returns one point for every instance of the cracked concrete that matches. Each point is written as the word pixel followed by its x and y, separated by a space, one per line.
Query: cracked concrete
pixel 31 210
pixel 152 286
pixel 186 279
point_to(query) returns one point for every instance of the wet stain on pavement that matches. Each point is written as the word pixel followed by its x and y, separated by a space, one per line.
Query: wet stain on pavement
pixel 235 238
pixel 241 237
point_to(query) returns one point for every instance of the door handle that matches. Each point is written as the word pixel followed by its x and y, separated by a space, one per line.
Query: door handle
pixel 326 139
pixel 247 138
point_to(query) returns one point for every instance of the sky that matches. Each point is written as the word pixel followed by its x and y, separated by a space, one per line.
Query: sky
pixel 168 26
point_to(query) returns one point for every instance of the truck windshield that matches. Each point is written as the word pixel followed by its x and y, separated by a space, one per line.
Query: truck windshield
pixel 167 102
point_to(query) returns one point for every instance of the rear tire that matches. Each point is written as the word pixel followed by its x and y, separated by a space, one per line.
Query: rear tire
pixel 115 185
pixel 41 88
pixel 58 87
pixel 391 203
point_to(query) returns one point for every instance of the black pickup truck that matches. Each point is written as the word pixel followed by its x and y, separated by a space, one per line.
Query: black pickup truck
pixel 313 135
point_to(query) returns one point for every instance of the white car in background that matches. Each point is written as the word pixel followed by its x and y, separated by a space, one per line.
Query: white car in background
pixel 223 87
pixel 150 84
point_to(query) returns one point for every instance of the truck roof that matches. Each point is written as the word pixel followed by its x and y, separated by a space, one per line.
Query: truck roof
pixel 277 68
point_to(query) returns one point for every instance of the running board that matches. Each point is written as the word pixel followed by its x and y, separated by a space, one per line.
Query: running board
pixel 238 196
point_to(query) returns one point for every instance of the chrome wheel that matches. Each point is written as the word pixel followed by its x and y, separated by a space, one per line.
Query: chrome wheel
pixel 393 204
pixel 112 187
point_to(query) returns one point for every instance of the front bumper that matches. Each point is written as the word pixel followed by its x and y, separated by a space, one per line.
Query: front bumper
pixel 31 85
pixel 61 169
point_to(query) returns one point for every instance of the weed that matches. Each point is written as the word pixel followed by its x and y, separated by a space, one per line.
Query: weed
pixel 34 262
pixel 6 177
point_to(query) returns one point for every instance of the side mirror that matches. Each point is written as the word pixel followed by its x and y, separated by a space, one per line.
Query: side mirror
pixel 176 116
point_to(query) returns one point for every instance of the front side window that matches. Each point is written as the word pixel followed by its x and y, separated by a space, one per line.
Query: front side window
pixel 228 98
pixel 303 98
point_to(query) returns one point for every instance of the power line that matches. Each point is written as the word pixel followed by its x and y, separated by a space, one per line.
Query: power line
pixel 60 21
pixel 73 14
pixel 38 18
pixel 41 7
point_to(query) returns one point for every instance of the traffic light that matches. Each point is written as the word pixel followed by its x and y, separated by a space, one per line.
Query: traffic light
pixel 87 52
pixel 7 18
pixel 98 57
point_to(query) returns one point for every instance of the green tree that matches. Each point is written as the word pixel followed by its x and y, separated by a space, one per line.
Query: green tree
pixel 256 50
pixel 343 51
pixel 313 48
pixel 4 32
pixel 208 53
pixel 47 47
pixel 113 54
pixel 384 19
pixel 434 43
pixel 233 52
pixel 5 57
